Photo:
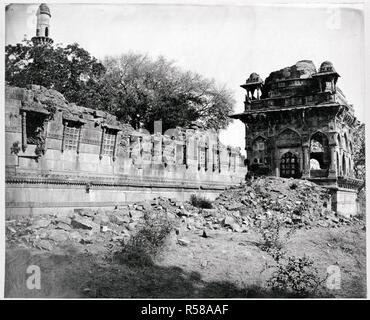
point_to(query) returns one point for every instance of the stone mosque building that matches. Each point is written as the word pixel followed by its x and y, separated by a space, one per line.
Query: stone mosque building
pixel 299 124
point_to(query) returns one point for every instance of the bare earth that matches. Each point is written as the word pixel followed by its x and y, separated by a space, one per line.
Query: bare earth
pixel 225 264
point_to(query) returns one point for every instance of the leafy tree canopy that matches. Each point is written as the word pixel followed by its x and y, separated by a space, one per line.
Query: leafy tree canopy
pixel 359 152
pixel 70 70
pixel 134 87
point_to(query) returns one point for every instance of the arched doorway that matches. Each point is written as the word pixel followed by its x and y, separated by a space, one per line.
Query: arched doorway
pixel 289 166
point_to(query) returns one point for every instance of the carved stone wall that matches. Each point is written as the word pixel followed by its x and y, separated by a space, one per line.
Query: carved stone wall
pixel 82 146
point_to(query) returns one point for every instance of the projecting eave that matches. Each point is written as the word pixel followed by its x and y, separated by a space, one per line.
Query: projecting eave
pixel 270 110
pixel 329 73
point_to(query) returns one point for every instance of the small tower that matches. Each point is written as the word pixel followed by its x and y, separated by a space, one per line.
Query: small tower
pixel 43 26
pixel 252 85
pixel 327 77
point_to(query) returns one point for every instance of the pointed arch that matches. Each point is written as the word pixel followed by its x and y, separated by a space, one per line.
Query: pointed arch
pixel 288 138
pixel 320 150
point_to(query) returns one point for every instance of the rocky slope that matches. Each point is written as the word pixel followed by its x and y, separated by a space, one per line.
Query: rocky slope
pixel 296 203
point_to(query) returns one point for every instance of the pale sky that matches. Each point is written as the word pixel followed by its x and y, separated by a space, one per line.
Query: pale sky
pixel 223 42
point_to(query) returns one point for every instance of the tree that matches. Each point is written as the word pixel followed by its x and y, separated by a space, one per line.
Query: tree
pixel 359 152
pixel 142 90
pixel 134 87
pixel 71 70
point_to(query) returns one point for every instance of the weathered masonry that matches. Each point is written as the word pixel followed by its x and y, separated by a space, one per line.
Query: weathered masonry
pixel 299 124
pixel 61 156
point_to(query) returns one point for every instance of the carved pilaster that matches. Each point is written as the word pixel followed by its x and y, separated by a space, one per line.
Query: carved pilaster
pixel 79 139
pixel 24 131
pixel 115 146
pixel 64 135
pixel 101 143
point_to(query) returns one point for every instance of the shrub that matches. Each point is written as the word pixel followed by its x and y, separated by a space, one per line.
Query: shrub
pixel 296 277
pixel 271 232
pixel 148 242
pixel 200 202
pixel 293 186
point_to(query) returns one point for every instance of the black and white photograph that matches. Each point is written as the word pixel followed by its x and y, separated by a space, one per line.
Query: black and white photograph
pixel 184 150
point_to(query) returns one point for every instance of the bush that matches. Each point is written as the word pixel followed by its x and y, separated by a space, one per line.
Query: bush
pixel 148 242
pixel 271 232
pixel 200 202
pixel 297 277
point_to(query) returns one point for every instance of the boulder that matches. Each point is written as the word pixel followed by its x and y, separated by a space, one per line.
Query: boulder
pixel 136 215
pixel 228 222
pixel 43 244
pixel 119 220
pixel 64 219
pixel 183 242
pixel 84 212
pixel 75 235
pixel 102 219
pixel 63 226
pixel 84 223
pixel 41 223
pixel 236 227
pixel 58 235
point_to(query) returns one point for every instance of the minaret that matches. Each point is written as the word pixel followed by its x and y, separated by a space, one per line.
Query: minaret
pixel 43 26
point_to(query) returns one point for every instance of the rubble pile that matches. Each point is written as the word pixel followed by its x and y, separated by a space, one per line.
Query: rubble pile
pixel 296 202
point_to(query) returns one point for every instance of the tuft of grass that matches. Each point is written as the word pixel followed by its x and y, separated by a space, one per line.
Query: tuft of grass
pixel 148 242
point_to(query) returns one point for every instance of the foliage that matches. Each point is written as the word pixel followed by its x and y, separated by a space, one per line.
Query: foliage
pixel 71 70
pixel 296 276
pixel 271 232
pixel 134 87
pixel 148 242
pixel 292 276
pixel 200 202
pixel 359 151
pixel 142 90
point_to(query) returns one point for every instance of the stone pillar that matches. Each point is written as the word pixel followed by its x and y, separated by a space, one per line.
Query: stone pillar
pixel 206 157
pixel 24 131
pixel 306 161
pixel 333 163
pixel 101 144
pixel 79 139
pixel 64 133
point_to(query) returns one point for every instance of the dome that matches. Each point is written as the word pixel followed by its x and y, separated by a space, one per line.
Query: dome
pixel 254 78
pixel 326 66
pixel 44 9
pixel 302 69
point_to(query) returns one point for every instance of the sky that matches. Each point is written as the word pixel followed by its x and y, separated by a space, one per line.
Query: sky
pixel 224 42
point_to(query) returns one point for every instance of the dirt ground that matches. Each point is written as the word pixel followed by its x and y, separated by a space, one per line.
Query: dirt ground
pixel 223 265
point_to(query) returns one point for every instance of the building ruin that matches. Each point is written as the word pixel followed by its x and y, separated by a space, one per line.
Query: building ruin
pixel 299 124
pixel 61 156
